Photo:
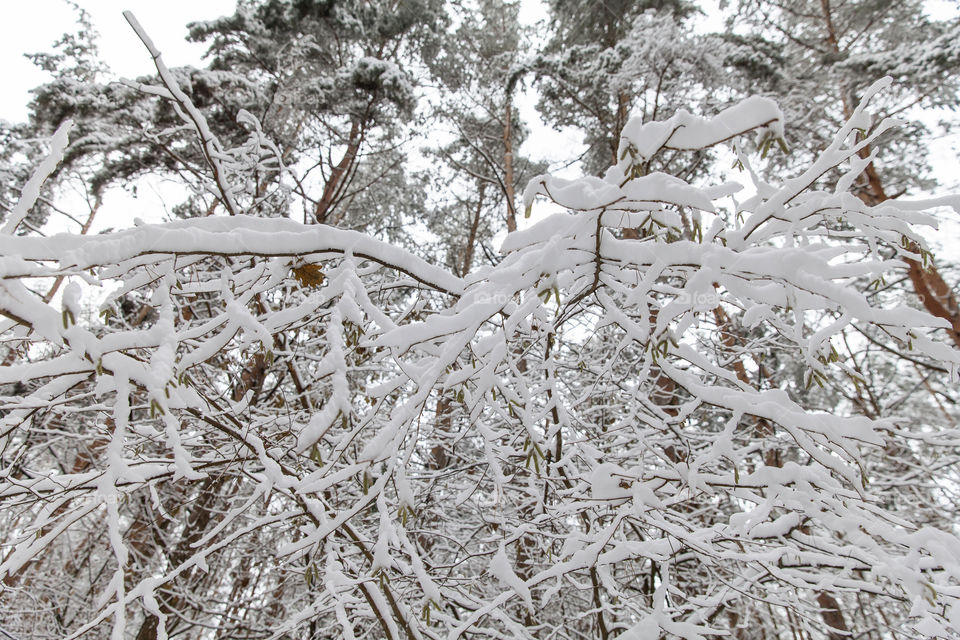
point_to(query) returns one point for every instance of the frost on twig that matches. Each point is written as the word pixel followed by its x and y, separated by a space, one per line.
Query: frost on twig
pixel 617 459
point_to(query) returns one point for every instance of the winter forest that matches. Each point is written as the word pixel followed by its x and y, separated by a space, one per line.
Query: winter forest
pixel 383 372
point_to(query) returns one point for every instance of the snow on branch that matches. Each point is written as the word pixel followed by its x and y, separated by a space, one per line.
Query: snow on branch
pixel 31 190
pixel 619 426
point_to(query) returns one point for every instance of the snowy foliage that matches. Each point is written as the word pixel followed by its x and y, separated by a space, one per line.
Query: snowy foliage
pixel 818 57
pixel 242 426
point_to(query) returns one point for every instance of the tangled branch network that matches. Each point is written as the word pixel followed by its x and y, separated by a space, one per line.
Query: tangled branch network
pixel 269 427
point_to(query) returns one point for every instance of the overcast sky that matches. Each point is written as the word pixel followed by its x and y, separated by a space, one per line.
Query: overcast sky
pixel 32 26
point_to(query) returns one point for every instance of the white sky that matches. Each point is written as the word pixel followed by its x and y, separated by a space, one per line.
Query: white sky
pixel 32 26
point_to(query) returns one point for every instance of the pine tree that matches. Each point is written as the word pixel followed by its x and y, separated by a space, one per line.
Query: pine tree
pixel 331 84
pixel 817 59
pixel 608 61
pixel 646 415
pixel 479 72
pixel 74 65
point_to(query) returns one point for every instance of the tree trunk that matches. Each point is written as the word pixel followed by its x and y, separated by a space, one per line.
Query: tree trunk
pixel 509 194
pixel 335 184
pixel 833 616
pixel 469 250
pixel 196 525
pixel 934 293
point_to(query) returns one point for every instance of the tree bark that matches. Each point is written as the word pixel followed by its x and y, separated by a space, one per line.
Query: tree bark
pixel 335 184
pixel 509 194
pixel 469 250
pixel 196 525
pixel 833 616
pixel 934 293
